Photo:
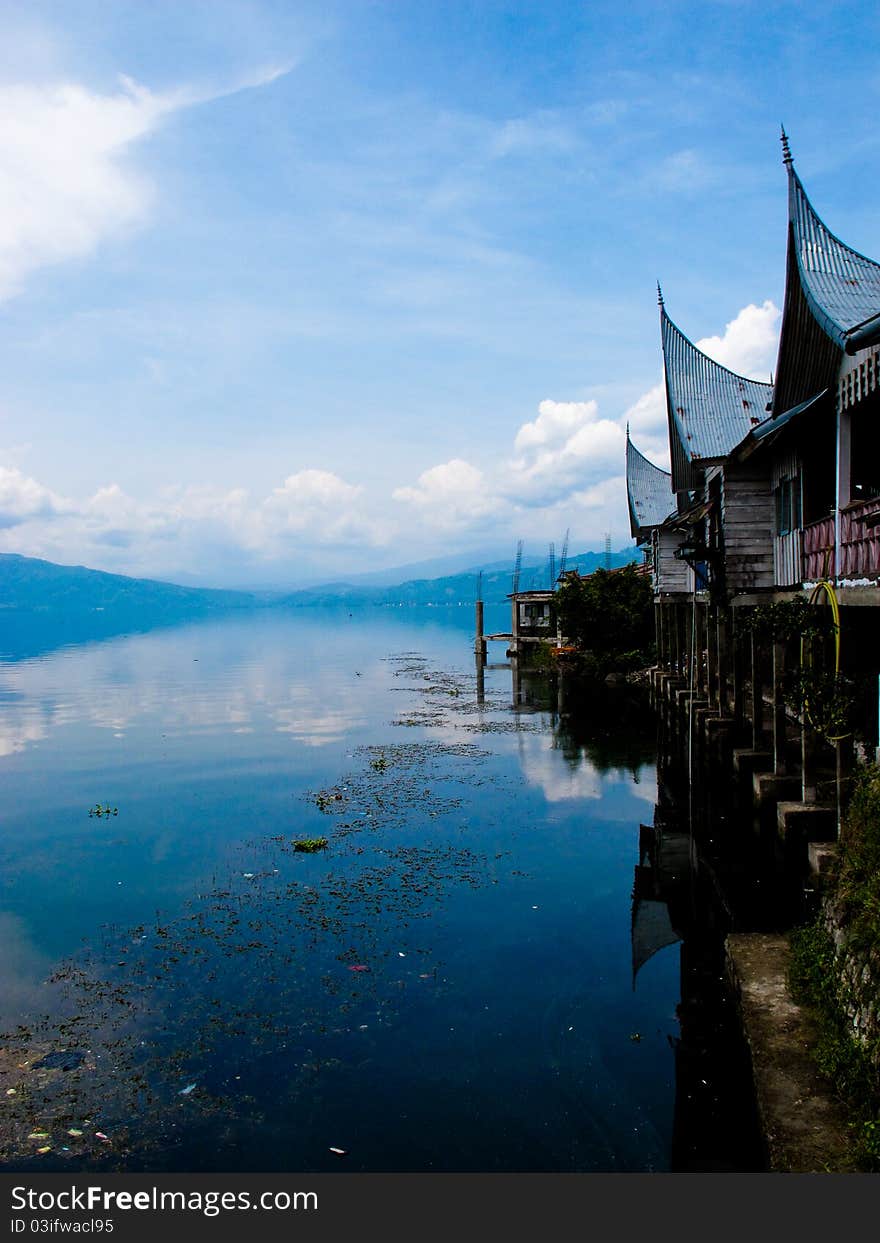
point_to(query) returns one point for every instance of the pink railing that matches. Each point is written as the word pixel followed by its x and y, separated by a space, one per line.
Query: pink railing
pixel 859 544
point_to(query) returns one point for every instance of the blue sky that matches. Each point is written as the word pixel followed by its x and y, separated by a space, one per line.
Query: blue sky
pixel 295 290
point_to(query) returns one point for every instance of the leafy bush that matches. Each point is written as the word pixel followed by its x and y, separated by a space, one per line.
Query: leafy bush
pixel 609 617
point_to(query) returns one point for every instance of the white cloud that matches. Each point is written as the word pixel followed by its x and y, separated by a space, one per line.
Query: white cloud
pixel 451 495
pixel 565 469
pixel 568 446
pixel 23 499
pixel 648 427
pixel 322 506
pixel 685 170
pixel 541 131
pixel 66 180
pixel 749 343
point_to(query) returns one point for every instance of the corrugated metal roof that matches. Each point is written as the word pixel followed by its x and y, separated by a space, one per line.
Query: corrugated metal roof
pixel 710 409
pixel 772 426
pixel 649 490
pixel 841 286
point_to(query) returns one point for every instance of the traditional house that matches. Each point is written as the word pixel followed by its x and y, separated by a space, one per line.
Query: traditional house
pixel 651 504
pixel 723 500
pixel 779 489
pixel 825 472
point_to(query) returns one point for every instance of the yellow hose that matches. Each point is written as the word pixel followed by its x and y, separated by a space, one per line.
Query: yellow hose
pixel 829 591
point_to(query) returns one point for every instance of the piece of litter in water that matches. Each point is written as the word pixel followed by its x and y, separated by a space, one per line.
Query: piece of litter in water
pixel 400 954
pixel 249 875
pixel 340 1152
pixel 636 1036
pixel 45 1148
pixel 10 1092
pixel 74 1131
pixel 39 1135
pixel 358 966
pixel 190 1087
pixel 101 1135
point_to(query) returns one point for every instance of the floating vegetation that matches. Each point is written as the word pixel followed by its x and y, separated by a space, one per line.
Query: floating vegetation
pixel 328 800
pixel 240 1006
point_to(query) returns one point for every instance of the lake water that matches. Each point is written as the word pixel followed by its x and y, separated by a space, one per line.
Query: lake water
pixel 447 985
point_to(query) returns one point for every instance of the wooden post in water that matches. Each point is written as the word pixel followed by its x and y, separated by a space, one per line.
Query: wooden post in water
pixel 479 641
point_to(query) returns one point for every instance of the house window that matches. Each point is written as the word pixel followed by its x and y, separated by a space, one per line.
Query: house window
pixel 789 513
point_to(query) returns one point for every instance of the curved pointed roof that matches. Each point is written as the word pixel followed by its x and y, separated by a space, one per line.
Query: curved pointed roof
pixel 648 490
pixel 832 301
pixel 710 409
pixel 841 286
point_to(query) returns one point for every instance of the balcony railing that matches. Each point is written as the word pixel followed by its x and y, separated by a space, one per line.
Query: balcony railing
pixel 859 543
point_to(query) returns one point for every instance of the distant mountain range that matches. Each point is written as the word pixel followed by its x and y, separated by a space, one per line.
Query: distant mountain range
pixel 27 583
pixel 454 588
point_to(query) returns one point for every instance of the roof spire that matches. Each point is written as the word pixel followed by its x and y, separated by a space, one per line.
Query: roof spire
pixel 659 295
pixel 786 149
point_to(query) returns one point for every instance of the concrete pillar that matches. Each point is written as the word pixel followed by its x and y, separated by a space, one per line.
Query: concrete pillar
pixel 699 634
pixel 757 692
pixel 809 763
pixel 712 655
pixel 738 680
pixel 779 719
pixel 722 667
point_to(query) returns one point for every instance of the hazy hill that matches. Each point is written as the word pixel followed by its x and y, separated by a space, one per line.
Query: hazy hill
pixel 29 583
pixel 453 588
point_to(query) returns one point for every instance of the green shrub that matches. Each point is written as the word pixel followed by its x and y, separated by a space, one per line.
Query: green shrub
pixel 609 617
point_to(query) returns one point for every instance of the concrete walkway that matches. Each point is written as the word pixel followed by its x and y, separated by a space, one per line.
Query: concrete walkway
pixel 803 1125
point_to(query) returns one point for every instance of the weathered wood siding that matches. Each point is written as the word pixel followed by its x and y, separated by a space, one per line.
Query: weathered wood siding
pixel 787 549
pixel 670 574
pixel 747 517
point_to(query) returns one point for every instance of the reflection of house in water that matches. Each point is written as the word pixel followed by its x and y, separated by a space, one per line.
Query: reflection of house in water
pixel 660 902
pixel 714 1123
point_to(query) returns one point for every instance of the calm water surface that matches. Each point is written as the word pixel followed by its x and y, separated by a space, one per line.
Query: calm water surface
pixel 447 986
